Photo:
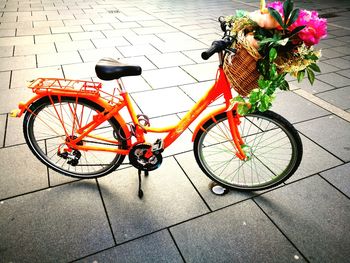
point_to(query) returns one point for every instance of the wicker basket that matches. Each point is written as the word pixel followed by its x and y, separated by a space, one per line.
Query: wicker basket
pixel 240 68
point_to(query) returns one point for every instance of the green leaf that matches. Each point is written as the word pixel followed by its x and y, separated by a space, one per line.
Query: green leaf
pixel 314 67
pixel 312 57
pixel 243 109
pixel 287 9
pixel 293 17
pixel 276 15
pixel 272 54
pixel 310 75
pixel 239 99
pixel 265 103
pixel 296 30
pixel 254 96
pixel 284 85
pixel 273 72
pixel 301 75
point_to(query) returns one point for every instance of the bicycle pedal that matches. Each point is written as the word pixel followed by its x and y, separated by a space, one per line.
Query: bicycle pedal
pixel 158 146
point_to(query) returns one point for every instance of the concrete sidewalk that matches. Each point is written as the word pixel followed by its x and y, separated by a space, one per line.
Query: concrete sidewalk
pixel 46 217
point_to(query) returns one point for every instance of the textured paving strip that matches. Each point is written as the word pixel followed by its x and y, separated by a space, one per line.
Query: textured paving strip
pixel 324 104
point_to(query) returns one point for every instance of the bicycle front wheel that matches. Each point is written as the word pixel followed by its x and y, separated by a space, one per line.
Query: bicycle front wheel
pixel 48 124
pixel 273 147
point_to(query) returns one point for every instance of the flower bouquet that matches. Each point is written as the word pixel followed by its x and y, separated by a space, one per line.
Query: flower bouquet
pixel 278 40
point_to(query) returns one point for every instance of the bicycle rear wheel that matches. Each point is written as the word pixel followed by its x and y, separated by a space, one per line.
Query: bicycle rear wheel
pixel 45 129
pixel 273 145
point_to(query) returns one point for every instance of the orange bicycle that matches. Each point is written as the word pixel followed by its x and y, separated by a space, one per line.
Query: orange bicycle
pixel 77 129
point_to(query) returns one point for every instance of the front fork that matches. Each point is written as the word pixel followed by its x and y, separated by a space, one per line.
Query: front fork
pixel 234 122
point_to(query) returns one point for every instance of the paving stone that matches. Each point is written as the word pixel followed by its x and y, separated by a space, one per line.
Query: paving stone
pixel 135 84
pixel 20 78
pixel 345 73
pixel 339 63
pixel 202 72
pixel 339 177
pixel 173 46
pixel 168 77
pixel 20 62
pixel 295 108
pixel 87 35
pixel 331 53
pixel 61 58
pixel 231 234
pixel 94 55
pixel 325 68
pixel 52 23
pixel 9 25
pixel 66 29
pixel 6 51
pixel 10 98
pixel 74 45
pixel 137 50
pixel 7 32
pixel 314 216
pixel 168 199
pixel 170 60
pixel 56 178
pixel 52 38
pixel 136 40
pixel 202 184
pixel 196 56
pixel 14 131
pixel 335 135
pixel 334 79
pixel 60 224
pixel 158 247
pixel 5 80
pixel 33 31
pixel 317 87
pixel 97 27
pixel 315 159
pixel 110 42
pixel 77 22
pixel 338 97
pixel 21 172
pixel 79 71
pixel 141 61
pixel 32 49
pixel 168 101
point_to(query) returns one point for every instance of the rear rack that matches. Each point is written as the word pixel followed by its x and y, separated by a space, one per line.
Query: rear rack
pixel 75 88
pixel 66 85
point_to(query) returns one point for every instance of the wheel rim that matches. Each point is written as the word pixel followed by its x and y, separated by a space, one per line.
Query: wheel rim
pixel 47 137
pixel 270 149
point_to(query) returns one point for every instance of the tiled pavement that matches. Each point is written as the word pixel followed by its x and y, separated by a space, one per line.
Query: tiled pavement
pixel 45 217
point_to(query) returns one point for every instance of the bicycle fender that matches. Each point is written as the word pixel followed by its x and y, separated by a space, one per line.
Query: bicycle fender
pixel 206 118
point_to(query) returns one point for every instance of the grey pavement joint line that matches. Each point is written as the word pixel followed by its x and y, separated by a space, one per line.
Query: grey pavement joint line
pixel 323 104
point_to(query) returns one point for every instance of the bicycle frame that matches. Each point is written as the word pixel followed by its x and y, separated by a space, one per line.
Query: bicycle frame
pixel 220 88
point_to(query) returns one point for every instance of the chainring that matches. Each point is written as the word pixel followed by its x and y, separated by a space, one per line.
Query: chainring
pixel 138 159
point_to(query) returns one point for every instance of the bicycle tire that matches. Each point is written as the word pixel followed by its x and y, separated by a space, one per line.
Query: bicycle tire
pixel 44 134
pixel 274 146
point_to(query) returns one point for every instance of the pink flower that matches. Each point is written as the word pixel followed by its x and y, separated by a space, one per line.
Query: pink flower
pixel 276 5
pixel 315 27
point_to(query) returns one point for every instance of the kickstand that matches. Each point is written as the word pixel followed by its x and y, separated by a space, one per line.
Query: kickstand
pixel 140 193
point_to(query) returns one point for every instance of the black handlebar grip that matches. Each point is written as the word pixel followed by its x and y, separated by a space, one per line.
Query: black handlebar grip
pixel 209 52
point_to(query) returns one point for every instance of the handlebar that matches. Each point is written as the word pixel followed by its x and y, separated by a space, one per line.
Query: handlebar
pixel 222 44
pixel 217 46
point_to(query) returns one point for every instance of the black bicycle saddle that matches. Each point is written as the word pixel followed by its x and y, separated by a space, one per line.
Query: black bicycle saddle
pixel 109 69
